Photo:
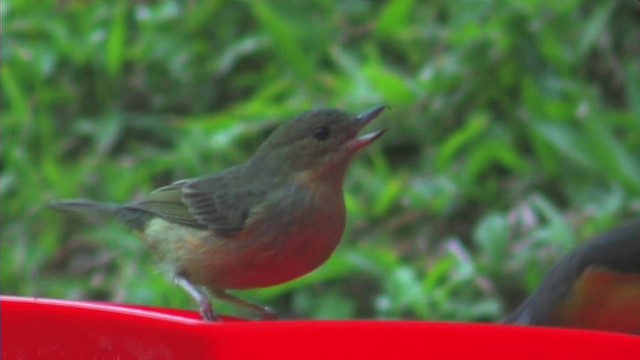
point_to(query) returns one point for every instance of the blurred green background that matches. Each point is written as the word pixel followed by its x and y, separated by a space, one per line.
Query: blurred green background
pixel 514 135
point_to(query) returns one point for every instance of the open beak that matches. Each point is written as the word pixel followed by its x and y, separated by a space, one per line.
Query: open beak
pixel 363 119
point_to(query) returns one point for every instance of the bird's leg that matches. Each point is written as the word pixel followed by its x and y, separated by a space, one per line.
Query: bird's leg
pixel 201 297
pixel 266 313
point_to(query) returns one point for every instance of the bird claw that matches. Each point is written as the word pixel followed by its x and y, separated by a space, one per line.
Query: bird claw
pixel 207 313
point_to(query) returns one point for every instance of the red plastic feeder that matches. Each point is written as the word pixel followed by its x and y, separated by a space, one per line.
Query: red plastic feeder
pixel 57 329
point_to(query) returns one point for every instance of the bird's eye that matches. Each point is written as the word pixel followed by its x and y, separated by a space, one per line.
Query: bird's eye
pixel 321 133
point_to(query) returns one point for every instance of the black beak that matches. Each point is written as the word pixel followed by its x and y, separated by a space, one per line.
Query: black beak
pixel 363 119
pixel 367 116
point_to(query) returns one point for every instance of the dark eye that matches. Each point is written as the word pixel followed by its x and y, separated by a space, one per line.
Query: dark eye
pixel 321 133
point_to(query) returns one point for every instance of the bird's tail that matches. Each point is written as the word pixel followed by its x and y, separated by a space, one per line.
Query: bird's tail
pixel 88 207
pixel 134 218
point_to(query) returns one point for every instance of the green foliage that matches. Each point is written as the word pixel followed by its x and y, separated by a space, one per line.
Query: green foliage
pixel 514 134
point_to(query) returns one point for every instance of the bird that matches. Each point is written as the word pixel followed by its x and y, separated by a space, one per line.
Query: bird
pixel 274 218
pixel 596 286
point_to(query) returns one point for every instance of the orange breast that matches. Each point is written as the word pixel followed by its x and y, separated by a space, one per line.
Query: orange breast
pixel 602 300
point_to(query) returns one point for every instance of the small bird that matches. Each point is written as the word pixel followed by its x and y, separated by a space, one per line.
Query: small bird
pixel 267 221
pixel 596 286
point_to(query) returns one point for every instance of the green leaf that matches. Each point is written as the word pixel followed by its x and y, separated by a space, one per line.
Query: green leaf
pixel 18 104
pixel 116 44
pixel 492 235
pixel 471 130
pixel 566 140
pixel 286 36
pixel 610 156
pixel 633 92
pixel 395 16
pixel 595 26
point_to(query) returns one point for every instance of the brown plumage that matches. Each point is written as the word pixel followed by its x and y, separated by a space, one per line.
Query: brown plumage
pixel 269 220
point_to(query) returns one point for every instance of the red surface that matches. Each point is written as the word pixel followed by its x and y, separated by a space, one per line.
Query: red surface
pixel 56 329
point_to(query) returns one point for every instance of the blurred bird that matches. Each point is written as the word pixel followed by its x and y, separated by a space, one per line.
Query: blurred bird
pixel 267 221
pixel 596 286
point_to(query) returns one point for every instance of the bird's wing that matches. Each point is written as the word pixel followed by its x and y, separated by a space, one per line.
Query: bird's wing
pixel 215 202
pixel 227 210
pixel 166 202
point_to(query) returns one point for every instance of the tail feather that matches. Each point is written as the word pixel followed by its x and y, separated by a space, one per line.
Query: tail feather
pixel 134 218
pixel 91 208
